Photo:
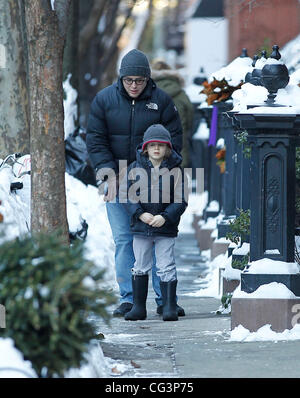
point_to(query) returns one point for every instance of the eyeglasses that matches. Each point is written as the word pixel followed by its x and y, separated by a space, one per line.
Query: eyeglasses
pixel 129 81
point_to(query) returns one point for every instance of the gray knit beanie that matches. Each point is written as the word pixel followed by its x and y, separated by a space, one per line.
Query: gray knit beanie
pixel 156 133
pixel 135 63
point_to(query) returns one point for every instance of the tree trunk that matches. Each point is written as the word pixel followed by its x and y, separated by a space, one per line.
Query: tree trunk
pixel 46 33
pixel 14 121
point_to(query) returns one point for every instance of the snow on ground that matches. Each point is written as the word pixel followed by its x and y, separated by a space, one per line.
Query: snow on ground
pixel 70 107
pixel 12 364
pixel 196 204
pixel 290 54
pixel 265 333
pixel 83 201
pixel 209 286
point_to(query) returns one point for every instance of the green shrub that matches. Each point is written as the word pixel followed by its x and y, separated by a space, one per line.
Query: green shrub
pixel 240 263
pixel 52 298
pixel 239 227
pixel 242 139
pixel 225 304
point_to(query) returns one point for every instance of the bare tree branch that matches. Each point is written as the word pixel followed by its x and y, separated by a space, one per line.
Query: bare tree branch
pixel 113 46
pixel 90 28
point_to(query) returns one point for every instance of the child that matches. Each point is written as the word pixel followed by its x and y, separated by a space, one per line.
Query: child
pixel 155 215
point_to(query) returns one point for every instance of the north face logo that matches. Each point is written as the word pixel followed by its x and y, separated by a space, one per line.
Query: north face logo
pixel 152 105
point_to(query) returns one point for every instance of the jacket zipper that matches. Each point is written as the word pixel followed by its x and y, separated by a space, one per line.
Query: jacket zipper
pixel 132 124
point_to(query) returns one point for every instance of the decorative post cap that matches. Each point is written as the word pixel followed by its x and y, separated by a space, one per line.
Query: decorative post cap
pixel 275 53
pixel 264 54
pixel 255 58
pixel 274 75
pixel 244 53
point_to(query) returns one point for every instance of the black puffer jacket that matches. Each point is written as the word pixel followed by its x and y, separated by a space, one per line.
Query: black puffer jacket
pixel 170 203
pixel 117 123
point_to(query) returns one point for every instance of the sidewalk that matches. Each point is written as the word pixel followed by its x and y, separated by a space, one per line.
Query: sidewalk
pixel 197 345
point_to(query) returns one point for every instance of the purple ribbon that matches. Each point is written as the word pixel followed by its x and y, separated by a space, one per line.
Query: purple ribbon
pixel 213 127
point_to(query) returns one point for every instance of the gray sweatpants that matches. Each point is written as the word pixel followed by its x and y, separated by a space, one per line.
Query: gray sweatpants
pixel 164 254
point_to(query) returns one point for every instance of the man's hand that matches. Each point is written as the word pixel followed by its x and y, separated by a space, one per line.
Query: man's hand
pixel 111 189
pixel 146 218
pixel 157 221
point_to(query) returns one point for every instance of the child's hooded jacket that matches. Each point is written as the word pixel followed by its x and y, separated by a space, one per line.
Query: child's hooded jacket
pixel 159 191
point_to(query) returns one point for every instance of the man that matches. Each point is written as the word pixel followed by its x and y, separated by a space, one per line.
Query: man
pixel 119 116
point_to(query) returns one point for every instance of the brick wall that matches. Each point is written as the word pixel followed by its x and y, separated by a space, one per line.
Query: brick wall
pixel 253 23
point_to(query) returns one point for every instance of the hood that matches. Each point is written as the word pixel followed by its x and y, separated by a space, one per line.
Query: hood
pixel 174 160
pixel 168 80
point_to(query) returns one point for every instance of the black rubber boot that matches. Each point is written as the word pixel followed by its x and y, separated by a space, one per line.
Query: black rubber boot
pixel 140 292
pixel 122 309
pixel 180 310
pixel 168 291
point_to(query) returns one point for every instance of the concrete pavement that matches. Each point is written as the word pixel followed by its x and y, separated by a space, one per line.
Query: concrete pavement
pixel 197 345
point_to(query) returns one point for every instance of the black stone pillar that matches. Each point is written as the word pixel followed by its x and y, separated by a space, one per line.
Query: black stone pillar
pixel 273 138
pixel 242 178
pixel 242 168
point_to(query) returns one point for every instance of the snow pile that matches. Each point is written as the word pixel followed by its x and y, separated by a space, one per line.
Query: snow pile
pixel 270 290
pixel 202 132
pixel 193 91
pixel 210 285
pixel 243 250
pixel 260 63
pixel 211 223
pixel 248 94
pixel 14 207
pixel 213 206
pixel 196 204
pixel 96 366
pixel 234 73
pixel 269 266
pixel 295 77
pixel 12 364
pixel 230 273
pixel 70 107
pixel 290 54
pixel 83 201
pixel 264 334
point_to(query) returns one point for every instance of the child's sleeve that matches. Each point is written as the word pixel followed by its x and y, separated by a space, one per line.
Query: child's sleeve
pixel 174 210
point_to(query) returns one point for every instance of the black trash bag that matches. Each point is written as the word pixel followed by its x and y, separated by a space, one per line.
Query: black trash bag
pixel 81 233
pixel 77 159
